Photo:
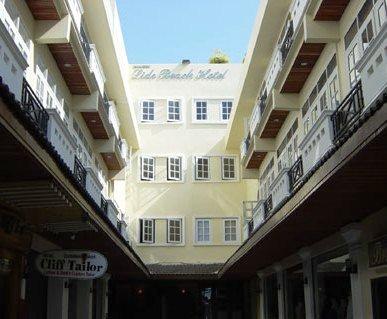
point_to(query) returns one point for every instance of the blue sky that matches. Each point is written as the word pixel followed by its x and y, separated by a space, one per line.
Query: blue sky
pixel 167 31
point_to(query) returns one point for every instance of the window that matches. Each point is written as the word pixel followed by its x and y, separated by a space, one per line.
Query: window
pixel 228 168
pixel 382 14
pixel 174 168
pixel 367 35
pixel 147 230
pixel 203 231
pixel 148 111
pixel 353 58
pixel 174 111
pixel 202 168
pixel 334 93
pixel 230 230
pixel 226 110
pixel 147 168
pixel 201 110
pixel 174 231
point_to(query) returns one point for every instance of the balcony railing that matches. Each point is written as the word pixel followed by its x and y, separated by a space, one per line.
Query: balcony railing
pixel 250 226
pixel 255 118
pixel 104 205
pixel 348 112
pixel 79 172
pixel 295 173
pixel 33 108
pixel 262 104
pixel 85 43
pixel 268 206
pixel 244 148
pixel 13 31
pixel 287 42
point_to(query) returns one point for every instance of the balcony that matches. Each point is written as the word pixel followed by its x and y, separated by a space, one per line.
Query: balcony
pixel 113 116
pixel 43 10
pixel 93 185
pixel 252 158
pixel 114 152
pixel 123 228
pixel 113 212
pixel 331 10
pixel 95 112
pixel 280 188
pixel 373 66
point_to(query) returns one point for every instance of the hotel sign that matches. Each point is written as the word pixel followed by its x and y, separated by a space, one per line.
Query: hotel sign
pixel 74 264
pixel 168 74
pixel 377 252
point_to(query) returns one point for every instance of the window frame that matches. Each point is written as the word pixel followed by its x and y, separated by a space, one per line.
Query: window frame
pixel 142 176
pixel 143 113
pixel 203 242
pixel 197 178
pixel 142 230
pixel 231 219
pixel 228 113
pixel 206 111
pixel 181 228
pixel 169 170
pixel 174 120
pixel 224 171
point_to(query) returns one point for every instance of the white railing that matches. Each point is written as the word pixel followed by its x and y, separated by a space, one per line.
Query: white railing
pixel 244 147
pixel 13 30
pixel 280 189
pixel 96 68
pixel 255 118
pixel 76 11
pixel 113 118
pixel 124 151
pixel 297 9
pixel 273 70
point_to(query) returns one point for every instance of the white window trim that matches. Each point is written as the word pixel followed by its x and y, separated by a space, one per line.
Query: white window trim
pixel 180 111
pixel 195 118
pixel 169 241
pixel 169 177
pixel 141 233
pixel 202 243
pixel 221 110
pixel 237 231
pixel 235 168
pixel 142 177
pixel 197 178
pixel 142 111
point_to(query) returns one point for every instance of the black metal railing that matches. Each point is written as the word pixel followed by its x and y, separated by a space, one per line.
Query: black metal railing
pixel 295 173
pixel 79 172
pixel 268 206
pixel 348 111
pixel 33 108
pixel 85 43
pixel 250 226
pixel 287 42
pixel 104 205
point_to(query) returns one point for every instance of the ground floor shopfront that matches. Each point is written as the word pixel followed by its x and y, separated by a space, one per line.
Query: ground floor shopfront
pixel 340 277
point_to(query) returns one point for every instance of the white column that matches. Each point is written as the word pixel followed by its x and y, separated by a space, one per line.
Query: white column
pixel 57 298
pixel 308 282
pixel 281 291
pixel 104 296
pixel 84 299
pixel 360 285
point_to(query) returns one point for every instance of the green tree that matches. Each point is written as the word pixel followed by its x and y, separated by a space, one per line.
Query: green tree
pixel 219 57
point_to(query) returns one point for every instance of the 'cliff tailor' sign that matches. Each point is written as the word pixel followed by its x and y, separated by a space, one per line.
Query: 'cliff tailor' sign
pixel 168 74
pixel 75 264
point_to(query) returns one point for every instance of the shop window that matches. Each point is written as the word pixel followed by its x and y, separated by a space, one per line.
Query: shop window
pixel 333 297
pixel 379 297
pixel 271 297
pixel 294 293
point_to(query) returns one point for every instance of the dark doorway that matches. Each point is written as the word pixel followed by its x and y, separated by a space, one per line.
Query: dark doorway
pixel 379 298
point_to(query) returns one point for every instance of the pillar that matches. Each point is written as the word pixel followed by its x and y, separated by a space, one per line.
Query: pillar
pixel 84 299
pixel 261 297
pixel 102 297
pixel 308 282
pixel 281 291
pixel 57 298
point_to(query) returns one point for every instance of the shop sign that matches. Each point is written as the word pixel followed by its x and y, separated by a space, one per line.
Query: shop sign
pixel 168 74
pixel 377 252
pixel 74 264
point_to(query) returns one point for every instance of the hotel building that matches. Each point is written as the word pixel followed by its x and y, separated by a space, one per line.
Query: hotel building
pixel 253 190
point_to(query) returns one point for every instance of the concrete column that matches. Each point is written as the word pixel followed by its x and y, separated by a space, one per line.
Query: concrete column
pixel 57 298
pixel 261 297
pixel 308 282
pixel 360 285
pixel 281 292
pixel 84 299
pixel 102 294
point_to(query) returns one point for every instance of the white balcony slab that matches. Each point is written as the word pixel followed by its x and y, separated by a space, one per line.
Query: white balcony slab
pixel 373 67
pixel 280 187
pixel 60 137
pixel 93 185
pixel 317 141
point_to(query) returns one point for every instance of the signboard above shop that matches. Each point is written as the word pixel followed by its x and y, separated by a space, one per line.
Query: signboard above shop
pixel 73 264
